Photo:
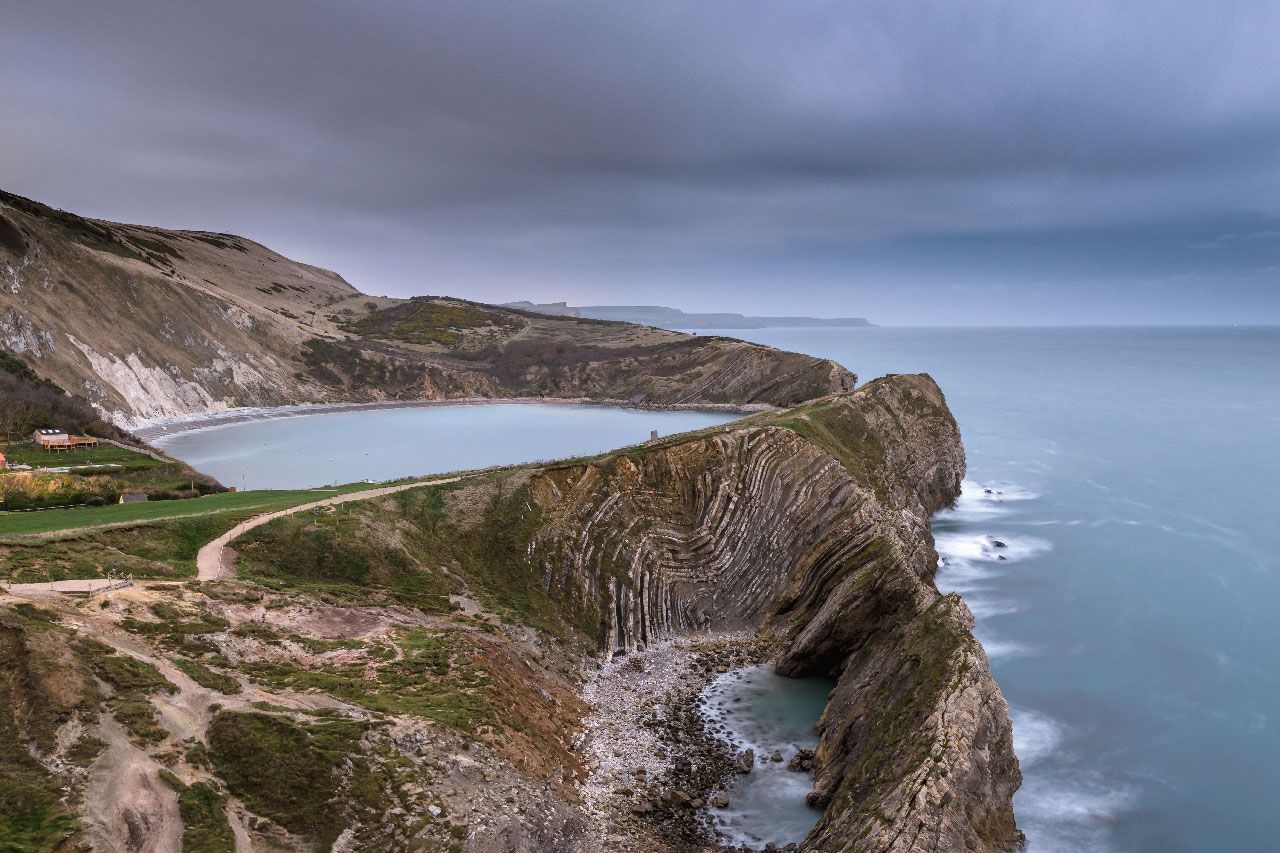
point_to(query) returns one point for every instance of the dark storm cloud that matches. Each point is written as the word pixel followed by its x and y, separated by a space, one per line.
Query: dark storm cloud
pixel 925 162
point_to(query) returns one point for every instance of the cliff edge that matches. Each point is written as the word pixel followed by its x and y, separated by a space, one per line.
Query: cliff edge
pixel 427 652
pixel 812 526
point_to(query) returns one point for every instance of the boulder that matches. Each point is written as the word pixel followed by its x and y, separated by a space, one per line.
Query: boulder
pixel 802 761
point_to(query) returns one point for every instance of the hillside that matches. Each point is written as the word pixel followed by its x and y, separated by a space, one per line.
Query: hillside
pixel 411 672
pixel 149 323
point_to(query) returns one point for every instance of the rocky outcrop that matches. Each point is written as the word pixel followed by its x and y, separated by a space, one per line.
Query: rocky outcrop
pixel 470 613
pixel 812 525
pixel 149 323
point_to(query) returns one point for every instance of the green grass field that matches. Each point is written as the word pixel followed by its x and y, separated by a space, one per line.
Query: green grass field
pixel 57 520
pixel 106 454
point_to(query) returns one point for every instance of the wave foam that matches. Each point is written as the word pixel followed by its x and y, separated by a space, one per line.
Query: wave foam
pixel 983 500
pixel 1070 814
pixel 1035 735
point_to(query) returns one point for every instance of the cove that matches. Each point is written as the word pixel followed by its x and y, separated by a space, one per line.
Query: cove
pixel 757 709
pixel 315 449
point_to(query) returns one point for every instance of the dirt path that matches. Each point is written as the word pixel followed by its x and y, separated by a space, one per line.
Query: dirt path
pixel 127 806
pixel 74 587
pixel 211 562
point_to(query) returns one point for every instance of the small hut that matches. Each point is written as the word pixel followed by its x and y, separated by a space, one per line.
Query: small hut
pixel 57 440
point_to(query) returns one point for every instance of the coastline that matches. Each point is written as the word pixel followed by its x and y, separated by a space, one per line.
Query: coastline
pixel 153 428
pixel 653 762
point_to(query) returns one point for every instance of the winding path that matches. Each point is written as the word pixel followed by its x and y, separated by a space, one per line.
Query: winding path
pixel 211 563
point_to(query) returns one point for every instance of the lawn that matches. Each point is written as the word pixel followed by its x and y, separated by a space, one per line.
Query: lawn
pixel 55 520
pixel 105 454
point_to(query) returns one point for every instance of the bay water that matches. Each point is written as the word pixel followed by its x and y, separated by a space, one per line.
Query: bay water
pixel 757 709
pixel 329 447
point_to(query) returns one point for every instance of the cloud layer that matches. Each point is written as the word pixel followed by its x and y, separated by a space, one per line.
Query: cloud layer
pixel 913 162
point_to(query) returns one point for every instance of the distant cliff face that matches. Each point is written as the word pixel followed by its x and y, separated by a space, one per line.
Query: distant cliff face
pixel 813 526
pixel 150 323
pixel 673 318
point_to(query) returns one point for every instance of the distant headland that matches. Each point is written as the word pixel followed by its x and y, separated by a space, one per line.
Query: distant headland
pixel 673 318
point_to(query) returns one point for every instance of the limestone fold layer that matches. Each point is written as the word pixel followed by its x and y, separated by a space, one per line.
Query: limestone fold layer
pixel 812 526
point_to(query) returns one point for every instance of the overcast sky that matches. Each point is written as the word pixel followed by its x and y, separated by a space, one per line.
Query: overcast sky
pixel 916 163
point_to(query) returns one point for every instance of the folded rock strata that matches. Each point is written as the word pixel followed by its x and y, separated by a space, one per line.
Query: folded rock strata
pixel 813 526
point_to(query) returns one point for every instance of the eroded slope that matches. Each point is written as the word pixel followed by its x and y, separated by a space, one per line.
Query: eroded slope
pixel 415 662
pixel 149 323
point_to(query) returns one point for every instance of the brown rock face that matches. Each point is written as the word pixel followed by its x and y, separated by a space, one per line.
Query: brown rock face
pixel 813 525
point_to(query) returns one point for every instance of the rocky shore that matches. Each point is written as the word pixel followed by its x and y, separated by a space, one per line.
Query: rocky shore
pixel 653 764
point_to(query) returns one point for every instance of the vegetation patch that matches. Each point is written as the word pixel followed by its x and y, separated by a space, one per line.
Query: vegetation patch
pixel 11 239
pixel 29 402
pixel 428 674
pixel 844 432
pixel 33 814
pixel 206 677
pixel 204 820
pixel 229 507
pixel 424 320
pixel 75 228
pixel 165 551
pixel 132 682
pixel 349 553
pixel 336 363
pixel 311 779
pixel 892 736
pixel 86 750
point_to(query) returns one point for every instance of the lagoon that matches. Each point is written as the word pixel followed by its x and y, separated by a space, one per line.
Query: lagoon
pixel 318 448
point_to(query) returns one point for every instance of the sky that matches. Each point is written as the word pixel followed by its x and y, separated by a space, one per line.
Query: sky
pixel 916 163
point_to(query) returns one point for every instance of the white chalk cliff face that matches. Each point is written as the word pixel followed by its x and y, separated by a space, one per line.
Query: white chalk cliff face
pixel 148 323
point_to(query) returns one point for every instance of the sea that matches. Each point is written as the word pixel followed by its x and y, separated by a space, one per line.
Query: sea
pixel 1130 479
pixel 1133 475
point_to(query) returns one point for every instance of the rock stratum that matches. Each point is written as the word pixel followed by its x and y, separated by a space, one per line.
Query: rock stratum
pixel 813 527
pixel 149 323
pixel 408 673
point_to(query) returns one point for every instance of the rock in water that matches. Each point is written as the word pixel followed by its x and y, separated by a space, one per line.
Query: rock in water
pixel 802 761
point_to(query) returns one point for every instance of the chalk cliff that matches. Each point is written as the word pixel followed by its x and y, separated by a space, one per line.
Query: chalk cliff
pixel 150 323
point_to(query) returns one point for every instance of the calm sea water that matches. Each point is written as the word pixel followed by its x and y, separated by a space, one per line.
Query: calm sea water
pixel 760 710
pixel 1134 626
pixel 385 444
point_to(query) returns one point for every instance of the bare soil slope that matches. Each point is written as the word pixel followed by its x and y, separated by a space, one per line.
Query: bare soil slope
pixel 410 672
